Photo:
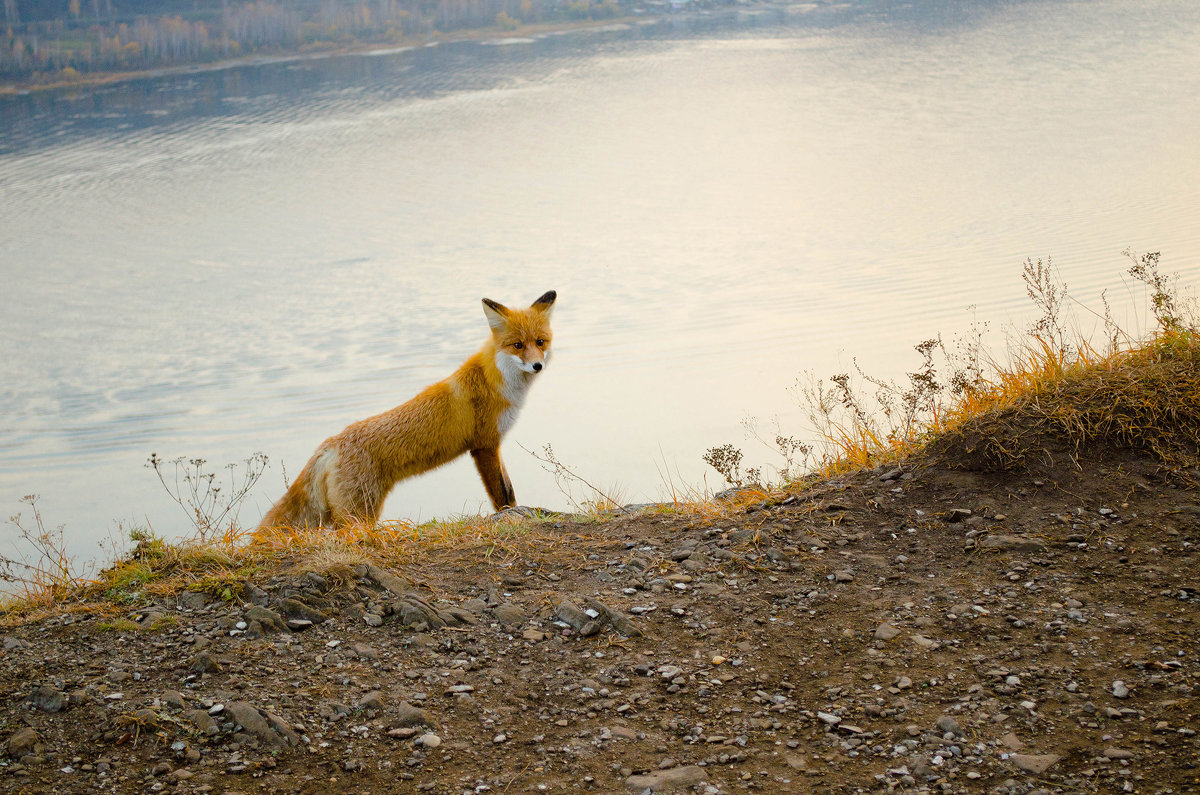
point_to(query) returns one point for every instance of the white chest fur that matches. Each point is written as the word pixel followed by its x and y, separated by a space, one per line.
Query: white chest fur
pixel 514 388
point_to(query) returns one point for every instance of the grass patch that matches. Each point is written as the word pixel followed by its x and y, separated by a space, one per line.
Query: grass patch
pixel 119 625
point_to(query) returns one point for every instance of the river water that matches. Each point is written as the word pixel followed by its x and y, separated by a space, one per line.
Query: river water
pixel 248 259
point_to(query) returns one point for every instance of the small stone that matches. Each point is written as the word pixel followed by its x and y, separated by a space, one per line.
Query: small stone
pixel 1120 689
pixel 1118 753
pixel 373 620
pixel 670 671
pixel 429 740
pixel 843 576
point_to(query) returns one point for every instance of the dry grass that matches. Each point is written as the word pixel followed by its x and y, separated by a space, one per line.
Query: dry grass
pixel 1059 394
pixel 1144 399
pixel 1048 402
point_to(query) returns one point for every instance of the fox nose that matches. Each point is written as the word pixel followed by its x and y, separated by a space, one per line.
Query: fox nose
pixel 537 366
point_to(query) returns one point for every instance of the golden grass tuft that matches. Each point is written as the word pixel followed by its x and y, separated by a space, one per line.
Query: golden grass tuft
pixel 1051 402
pixel 1144 399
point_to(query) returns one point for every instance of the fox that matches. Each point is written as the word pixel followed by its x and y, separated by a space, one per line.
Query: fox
pixel 347 479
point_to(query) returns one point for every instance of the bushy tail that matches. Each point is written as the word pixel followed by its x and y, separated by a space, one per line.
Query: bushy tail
pixel 304 504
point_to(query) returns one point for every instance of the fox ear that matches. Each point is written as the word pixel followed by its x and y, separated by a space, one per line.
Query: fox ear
pixel 546 302
pixel 496 314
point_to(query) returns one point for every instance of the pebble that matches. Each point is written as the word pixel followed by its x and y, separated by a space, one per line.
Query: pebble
pixel 1120 689
pixel 429 740
pixel 670 671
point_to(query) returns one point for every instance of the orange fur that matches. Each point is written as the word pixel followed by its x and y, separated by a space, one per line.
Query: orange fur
pixel 350 474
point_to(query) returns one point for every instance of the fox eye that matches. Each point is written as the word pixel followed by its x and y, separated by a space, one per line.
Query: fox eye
pixel 518 345
pixel 540 342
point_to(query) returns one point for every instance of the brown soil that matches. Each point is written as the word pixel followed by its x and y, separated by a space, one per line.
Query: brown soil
pixel 929 629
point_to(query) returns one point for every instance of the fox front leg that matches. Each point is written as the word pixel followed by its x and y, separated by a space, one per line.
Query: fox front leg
pixel 495 477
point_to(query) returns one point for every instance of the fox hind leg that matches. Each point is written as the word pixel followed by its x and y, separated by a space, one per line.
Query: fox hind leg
pixel 495 477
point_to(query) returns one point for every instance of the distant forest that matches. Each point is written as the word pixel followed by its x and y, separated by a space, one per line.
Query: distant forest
pixel 56 40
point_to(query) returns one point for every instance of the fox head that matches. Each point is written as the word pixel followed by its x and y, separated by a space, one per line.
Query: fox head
pixel 522 336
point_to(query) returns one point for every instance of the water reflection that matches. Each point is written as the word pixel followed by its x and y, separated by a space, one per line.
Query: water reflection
pixel 212 263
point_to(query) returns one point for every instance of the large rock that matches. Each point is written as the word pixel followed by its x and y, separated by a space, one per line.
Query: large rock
pixel 413 611
pixel 569 612
pixel 205 663
pixel 268 728
pixel 509 614
pixel 1034 764
pixel 203 722
pixel 268 620
pixel 675 779
pixel 23 742
pixel 383 578
pixel 1005 543
pixel 294 608
pixel 408 715
pixel 619 621
pixel 49 699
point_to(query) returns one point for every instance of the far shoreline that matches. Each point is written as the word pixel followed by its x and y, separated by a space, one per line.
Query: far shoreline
pixel 92 80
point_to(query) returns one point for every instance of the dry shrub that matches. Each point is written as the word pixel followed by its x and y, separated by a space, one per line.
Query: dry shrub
pixel 1145 400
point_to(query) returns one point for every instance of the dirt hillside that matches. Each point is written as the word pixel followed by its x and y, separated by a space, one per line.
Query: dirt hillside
pixel 915 629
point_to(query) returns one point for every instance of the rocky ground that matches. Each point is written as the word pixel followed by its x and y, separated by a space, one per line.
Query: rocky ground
pixel 918 629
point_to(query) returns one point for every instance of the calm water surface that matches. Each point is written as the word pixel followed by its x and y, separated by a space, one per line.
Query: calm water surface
pixel 223 262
